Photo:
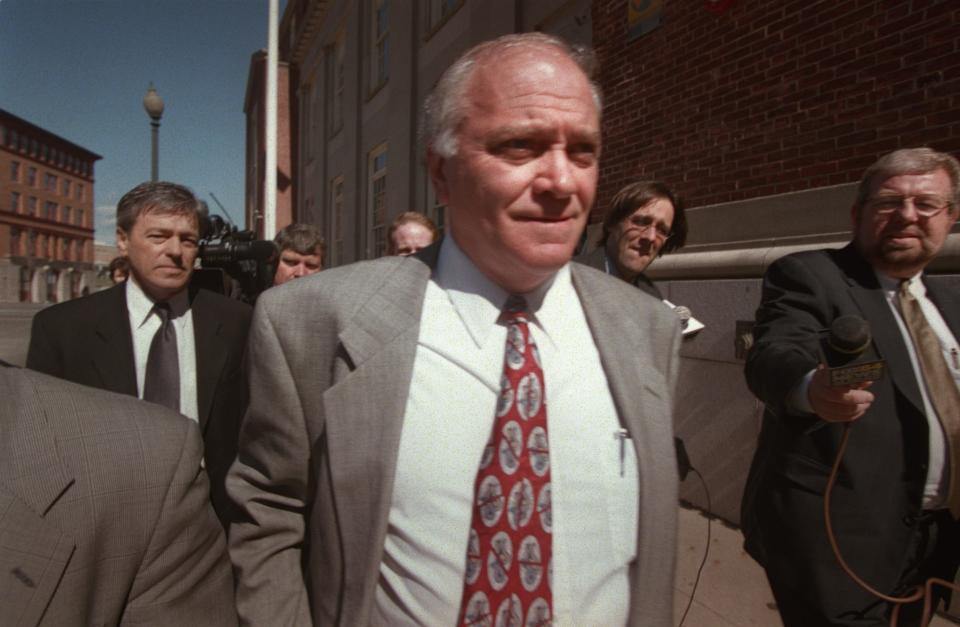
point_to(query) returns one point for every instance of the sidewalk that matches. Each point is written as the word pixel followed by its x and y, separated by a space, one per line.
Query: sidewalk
pixel 733 590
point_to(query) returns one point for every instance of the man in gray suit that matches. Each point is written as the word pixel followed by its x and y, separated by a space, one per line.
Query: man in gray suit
pixel 104 515
pixel 373 409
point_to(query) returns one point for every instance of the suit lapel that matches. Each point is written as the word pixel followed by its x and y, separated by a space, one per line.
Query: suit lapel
pixel 636 387
pixel 364 415
pixel 113 347
pixel 33 551
pixel 869 297
pixel 211 353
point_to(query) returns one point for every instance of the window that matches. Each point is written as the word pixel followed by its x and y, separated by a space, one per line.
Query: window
pixel 439 10
pixel 65 249
pixel 15 202
pixel 32 176
pixel 32 205
pixel 80 216
pixel 338 82
pixel 67 214
pixel 436 210
pixel 50 182
pixel 79 191
pixel 65 188
pixel 377 202
pixel 50 210
pixel 14 241
pixel 15 171
pixel 379 31
pixel 336 222
pixel 31 243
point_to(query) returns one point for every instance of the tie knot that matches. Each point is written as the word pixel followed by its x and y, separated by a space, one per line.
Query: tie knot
pixel 516 308
pixel 163 310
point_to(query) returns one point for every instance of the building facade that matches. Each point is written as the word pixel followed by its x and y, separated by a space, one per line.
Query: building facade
pixel 359 73
pixel 255 109
pixel 46 214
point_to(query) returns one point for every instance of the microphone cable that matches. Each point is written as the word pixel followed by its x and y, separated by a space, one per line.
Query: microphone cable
pixel 924 591
pixel 706 551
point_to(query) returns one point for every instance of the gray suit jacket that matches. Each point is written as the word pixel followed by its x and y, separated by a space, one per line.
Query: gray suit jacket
pixel 104 516
pixel 597 259
pixel 331 363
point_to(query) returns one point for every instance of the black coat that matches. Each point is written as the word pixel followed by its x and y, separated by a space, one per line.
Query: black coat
pixel 88 341
pixel 880 486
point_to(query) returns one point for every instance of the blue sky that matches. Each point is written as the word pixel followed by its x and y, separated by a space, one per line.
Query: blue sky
pixel 80 68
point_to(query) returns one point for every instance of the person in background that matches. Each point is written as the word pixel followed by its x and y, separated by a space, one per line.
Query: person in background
pixel 154 336
pixel 646 220
pixel 301 249
pixel 119 270
pixel 409 232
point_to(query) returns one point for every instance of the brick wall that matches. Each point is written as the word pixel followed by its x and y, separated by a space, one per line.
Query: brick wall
pixel 774 96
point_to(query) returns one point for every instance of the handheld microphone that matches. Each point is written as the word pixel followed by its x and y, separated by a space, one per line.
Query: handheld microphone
pixel 684 314
pixel 842 349
pixel 688 324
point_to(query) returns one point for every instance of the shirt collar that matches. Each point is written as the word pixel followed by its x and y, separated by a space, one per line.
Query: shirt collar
pixel 478 301
pixel 891 284
pixel 140 305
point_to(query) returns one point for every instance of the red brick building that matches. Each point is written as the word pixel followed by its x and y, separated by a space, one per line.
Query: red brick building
pixel 772 97
pixel 46 214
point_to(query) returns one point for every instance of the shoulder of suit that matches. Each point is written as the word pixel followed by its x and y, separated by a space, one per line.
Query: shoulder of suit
pixel 616 290
pixel 343 285
pixel 98 411
pixel 208 298
pixel 71 309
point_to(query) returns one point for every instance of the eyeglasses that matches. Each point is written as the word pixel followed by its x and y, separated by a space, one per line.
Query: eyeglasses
pixel 645 223
pixel 925 206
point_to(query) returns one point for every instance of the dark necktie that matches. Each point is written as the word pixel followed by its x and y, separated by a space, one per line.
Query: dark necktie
pixel 509 553
pixel 941 387
pixel 162 381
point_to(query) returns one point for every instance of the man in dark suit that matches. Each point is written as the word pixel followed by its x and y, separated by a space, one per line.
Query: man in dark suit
pixel 897 497
pixel 645 220
pixel 373 410
pixel 105 516
pixel 153 336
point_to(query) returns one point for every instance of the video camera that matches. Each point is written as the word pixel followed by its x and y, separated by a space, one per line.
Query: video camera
pixel 234 262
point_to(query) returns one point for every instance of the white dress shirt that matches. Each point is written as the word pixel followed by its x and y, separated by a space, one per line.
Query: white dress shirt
pixel 144 322
pixel 448 420
pixel 935 489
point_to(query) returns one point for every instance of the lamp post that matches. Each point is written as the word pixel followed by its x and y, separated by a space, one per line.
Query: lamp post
pixel 153 104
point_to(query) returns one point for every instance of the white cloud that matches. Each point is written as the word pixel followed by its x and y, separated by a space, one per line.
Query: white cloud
pixel 105 224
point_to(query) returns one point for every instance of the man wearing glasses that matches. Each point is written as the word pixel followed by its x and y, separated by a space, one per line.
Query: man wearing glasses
pixel 896 500
pixel 646 220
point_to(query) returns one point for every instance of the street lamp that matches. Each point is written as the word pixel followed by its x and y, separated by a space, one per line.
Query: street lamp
pixel 153 104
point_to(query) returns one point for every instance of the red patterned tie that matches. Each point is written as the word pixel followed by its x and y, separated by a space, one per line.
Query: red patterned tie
pixel 508 575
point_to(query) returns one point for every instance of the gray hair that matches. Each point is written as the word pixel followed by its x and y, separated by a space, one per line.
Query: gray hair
pixel 908 161
pixel 157 197
pixel 444 108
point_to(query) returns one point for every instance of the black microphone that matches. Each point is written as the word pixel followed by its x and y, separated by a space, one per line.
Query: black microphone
pixel 842 349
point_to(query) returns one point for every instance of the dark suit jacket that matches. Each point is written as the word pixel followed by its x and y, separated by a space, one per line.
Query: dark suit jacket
pixel 88 341
pixel 880 485
pixel 104 515
pixel 597 259
pixel 315 474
